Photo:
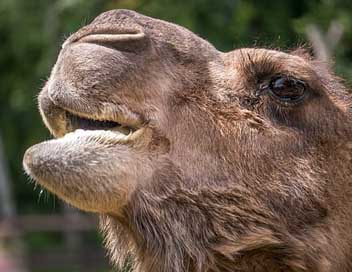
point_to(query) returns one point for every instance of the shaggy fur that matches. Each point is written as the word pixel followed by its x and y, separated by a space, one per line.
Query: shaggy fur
pixel 217 174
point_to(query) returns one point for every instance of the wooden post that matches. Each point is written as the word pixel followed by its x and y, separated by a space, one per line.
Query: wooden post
pixel 11 250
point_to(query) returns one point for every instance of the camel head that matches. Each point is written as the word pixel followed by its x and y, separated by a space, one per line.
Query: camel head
pixel 198 160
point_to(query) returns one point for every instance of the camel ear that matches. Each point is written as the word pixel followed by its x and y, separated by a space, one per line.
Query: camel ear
pixel 124 39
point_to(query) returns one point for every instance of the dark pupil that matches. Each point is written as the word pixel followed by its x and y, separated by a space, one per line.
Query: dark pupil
pixel 286 88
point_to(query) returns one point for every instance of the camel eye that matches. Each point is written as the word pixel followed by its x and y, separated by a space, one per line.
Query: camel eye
pixel 286 89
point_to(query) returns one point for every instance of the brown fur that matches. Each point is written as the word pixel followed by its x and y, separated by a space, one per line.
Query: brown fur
pixel 218 178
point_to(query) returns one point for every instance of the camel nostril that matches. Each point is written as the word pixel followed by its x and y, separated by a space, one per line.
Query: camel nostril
pixel 107 38
pixel 131 39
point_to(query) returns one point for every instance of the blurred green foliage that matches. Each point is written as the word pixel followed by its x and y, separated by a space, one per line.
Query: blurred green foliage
pixel 31 32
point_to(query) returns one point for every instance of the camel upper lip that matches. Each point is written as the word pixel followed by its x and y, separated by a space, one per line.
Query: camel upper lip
pixel 61 119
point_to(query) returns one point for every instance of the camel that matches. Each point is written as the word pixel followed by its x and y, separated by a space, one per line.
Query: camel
pixel 198 160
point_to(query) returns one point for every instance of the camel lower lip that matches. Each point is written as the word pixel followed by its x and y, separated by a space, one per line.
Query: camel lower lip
pixel 38 163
